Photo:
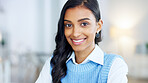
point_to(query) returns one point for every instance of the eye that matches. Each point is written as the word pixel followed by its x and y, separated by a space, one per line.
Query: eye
pixel 68 25
pixel 84 24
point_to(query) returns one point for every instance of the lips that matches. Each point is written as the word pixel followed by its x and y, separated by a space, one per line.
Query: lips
pixel 78 41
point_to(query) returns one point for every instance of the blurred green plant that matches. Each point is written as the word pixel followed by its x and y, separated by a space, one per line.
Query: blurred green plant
pixel 2 42
pixel 147 46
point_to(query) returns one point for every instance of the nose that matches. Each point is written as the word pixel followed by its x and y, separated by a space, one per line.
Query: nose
pixel 76 31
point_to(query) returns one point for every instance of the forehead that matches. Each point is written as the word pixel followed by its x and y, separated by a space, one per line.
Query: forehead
pixel 78 13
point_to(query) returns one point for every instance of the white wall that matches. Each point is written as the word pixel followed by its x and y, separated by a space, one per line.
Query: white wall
pixel 22 24
pixel 31 24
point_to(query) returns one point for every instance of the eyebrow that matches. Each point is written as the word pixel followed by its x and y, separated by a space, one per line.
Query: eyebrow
pixel 79 20
pixel 67 20
pixel 83 19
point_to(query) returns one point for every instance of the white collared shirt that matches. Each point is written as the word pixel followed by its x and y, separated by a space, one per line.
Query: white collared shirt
pixel 117 74
pixel 97 56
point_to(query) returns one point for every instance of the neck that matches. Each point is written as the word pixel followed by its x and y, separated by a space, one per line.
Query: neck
pixel 82 55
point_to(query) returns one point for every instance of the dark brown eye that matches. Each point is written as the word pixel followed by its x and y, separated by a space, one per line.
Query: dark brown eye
pixel 68 25
pixel 84 24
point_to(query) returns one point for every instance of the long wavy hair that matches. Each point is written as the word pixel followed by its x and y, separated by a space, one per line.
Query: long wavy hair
pixel 63 49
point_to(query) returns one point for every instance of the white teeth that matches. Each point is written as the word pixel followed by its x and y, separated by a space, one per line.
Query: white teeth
pixel 78 40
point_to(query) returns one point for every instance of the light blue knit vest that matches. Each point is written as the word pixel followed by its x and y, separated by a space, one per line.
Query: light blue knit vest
pixel 89 72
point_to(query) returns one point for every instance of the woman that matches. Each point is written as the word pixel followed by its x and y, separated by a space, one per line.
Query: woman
pixel 77 57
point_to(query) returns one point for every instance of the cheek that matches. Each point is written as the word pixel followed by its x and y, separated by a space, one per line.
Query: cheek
pixel 91 33
pixel 67 33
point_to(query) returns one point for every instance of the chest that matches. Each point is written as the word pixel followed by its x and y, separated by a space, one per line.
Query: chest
pixel 87 73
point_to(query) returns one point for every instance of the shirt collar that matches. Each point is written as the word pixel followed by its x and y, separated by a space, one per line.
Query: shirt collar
pixel 97 56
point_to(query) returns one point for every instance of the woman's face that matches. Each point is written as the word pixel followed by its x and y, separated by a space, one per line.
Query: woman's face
pixel 80 28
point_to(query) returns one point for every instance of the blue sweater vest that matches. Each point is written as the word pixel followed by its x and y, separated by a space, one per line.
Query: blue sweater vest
pixel 89 72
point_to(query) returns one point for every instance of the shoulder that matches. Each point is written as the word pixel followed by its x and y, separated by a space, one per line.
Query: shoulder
pixel 115 61
pixel 47 63
pixel 45 76
pixel 115 68
pixel 46 66
pixel 110 58
pixel 119 64
pixel 118 71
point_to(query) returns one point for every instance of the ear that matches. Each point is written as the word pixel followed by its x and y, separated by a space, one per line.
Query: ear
pixel 99 25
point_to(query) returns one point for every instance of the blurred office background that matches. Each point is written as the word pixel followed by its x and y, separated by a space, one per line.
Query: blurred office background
pixel 28 29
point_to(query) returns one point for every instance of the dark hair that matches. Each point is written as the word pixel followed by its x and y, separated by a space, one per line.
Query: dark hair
pixel 63 49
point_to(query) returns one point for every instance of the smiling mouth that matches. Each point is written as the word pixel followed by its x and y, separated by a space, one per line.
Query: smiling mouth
pixel 78 41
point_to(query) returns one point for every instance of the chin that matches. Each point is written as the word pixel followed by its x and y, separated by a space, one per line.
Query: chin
pixel 78 48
